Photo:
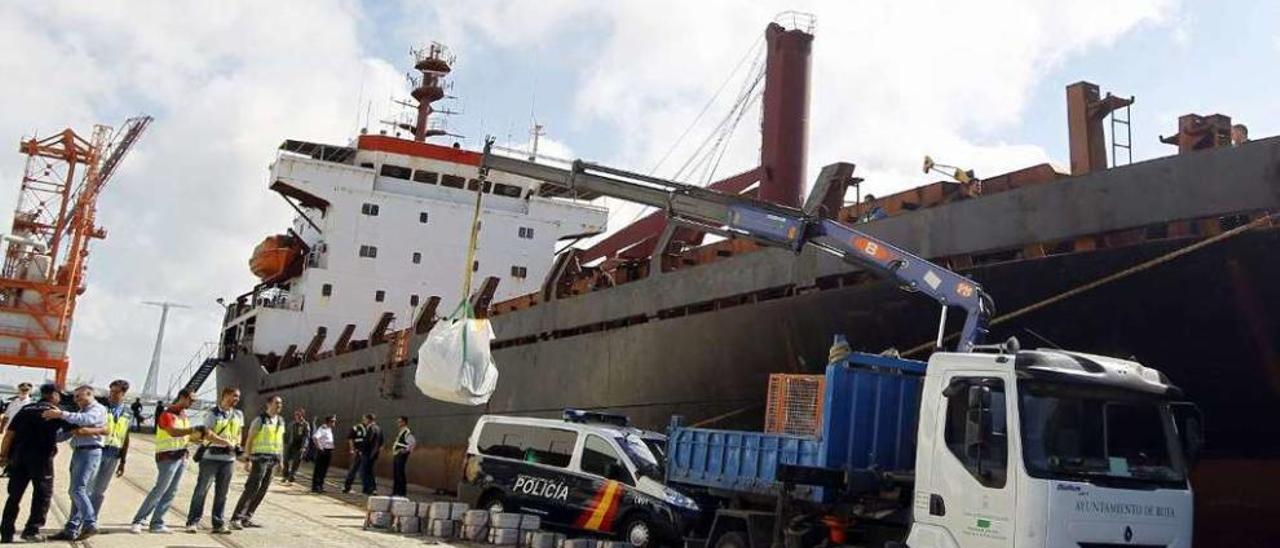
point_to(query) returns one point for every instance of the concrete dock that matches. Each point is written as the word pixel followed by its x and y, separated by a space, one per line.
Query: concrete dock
pixel 290 515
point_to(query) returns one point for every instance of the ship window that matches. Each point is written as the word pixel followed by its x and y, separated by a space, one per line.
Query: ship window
pixel 475 266
pixel 368 251
pixel 548 446
pixel 398 172
pixel 526 232
pixel 368 165
pixel 424 176
pixel 413 300
pixel 417 258
pixel 423 217
pixel 452 181
pixel 519 272
pixel 475 183
pixel 379 295
pixel 369 209
pixel 326 290
pixel 506 190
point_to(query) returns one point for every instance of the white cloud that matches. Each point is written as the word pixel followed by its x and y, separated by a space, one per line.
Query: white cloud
pixel 892 81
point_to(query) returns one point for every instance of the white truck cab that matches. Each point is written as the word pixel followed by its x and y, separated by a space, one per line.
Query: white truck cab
pixel 1049 448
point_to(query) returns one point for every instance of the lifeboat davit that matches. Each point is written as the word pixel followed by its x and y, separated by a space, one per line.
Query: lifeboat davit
pixel 277 258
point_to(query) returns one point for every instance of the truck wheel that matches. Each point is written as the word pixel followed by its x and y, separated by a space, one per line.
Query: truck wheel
pixel 732 539
pixel 637 531
pixel 493 502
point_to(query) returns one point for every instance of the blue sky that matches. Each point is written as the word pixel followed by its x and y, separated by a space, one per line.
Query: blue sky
pixel 978 84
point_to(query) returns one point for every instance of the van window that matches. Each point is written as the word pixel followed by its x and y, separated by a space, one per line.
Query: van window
pixel 549 446
pixel 599 458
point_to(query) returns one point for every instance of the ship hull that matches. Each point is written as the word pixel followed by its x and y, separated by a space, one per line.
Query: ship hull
pixel 1205 319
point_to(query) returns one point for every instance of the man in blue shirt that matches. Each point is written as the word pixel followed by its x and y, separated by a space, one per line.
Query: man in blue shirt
pixel 86 446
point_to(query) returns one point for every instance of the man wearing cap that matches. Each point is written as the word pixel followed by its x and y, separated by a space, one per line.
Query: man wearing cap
pixel 86 446
pixel 11 409
pixel 30 444
pixel 115 448
pixel 15 404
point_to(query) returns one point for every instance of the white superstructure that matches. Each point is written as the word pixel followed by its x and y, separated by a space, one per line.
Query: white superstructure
pixel 383 226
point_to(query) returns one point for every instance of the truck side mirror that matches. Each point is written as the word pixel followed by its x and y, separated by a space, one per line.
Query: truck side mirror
pixel 977 420
pixel 1189 423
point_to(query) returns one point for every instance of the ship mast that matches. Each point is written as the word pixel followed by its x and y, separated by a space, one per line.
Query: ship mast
pixel 433 65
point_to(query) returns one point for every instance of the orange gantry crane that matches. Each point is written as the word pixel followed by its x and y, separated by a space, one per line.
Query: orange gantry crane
pixel 48 245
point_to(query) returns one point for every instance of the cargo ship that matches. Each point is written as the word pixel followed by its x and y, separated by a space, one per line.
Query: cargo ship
pixel 1167 261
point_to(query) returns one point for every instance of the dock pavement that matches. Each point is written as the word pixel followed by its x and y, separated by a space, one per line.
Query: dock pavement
pixel 290 515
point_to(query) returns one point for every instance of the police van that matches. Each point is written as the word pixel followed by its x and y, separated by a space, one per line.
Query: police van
pixel 587 472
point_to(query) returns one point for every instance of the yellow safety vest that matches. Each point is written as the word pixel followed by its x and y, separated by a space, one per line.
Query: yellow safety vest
pixel 117 429
pixel 270 437
pixel 166 443
pixel 228 426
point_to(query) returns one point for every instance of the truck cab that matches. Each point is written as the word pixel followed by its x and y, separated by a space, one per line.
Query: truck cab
pixel 1049 448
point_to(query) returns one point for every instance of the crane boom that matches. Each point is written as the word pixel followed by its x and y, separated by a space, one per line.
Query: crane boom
pixel 771 224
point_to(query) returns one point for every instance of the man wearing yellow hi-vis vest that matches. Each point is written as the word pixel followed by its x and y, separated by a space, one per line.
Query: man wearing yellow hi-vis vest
pixel 172 428
pixel 265 450
pixel 116 445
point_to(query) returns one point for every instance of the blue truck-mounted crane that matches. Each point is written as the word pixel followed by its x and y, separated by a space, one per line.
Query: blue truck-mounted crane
pixel 984 446
pixel 773 225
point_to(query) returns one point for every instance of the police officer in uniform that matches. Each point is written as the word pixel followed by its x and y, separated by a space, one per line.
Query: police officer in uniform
pixel 401 449
pixel 265 450
pixel 356 445
pixel 30 444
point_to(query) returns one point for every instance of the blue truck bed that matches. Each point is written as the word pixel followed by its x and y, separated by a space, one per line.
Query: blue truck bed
pixel 871 406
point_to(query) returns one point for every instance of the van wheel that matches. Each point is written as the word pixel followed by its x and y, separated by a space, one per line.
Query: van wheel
pixel 732 539
pixel 494 503
pixel 637 531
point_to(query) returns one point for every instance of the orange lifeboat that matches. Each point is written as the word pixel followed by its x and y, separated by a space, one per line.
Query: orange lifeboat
pixel 277 258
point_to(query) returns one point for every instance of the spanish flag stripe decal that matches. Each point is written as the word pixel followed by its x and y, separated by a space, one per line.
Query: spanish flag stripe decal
pixel 608 499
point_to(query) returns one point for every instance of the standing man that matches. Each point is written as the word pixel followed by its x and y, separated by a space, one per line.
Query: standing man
pixel 323 440
pixel 11 409
pixel 222 437
pixel 29 446
pixel 296 441
pixel 15 404
pixel 115 447
pixel 400 450
pixel 266 445
pixel 137 414
pixel 372 447
pixel 356 440
pixel 86 454
pixel 172 429
pixel 155 419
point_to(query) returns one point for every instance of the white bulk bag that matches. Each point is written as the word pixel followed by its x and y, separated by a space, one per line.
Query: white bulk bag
pixel 454 363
